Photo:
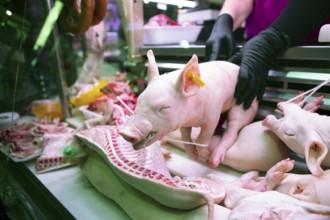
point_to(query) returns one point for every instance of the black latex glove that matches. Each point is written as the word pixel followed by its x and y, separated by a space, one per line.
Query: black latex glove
pixel 255 60
pixel 221 38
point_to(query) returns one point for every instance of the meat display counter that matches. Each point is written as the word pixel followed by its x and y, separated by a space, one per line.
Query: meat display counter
pixel 61 194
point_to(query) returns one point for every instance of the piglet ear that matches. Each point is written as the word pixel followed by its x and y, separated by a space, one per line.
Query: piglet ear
pixel 186 84
pixel 315 152
pixel 152 65
pixel 304 190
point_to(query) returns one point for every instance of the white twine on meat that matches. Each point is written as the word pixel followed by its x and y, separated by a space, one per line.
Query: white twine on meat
pixel 168 139
pixel 186 142
pixel 124 104
pixel 309 92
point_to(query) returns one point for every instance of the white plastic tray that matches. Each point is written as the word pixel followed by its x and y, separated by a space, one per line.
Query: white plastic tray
pixel 170 34
pixel 18 159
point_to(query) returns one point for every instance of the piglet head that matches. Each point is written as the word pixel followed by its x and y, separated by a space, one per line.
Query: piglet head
pixel 305 189
pixel 298 130
pixel 162 107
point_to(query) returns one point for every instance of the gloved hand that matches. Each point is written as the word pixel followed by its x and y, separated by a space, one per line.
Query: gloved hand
pixel 255 60
pixel 221 38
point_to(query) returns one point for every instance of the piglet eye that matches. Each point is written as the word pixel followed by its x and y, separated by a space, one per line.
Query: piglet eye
pixel 164 109
pixel 290 134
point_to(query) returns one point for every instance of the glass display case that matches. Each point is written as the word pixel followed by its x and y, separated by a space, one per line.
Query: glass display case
pixel 40 64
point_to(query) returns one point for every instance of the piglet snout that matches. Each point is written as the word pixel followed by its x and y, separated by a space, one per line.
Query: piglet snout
pixel 129 136
pixel 269 120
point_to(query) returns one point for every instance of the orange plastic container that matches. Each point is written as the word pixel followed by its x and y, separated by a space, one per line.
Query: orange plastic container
pixel 48 109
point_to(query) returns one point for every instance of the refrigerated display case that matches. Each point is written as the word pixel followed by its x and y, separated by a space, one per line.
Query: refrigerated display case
pixel 39 62
pixel 35 75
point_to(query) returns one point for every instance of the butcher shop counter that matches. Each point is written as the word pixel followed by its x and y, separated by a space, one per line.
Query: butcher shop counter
pixel 62 194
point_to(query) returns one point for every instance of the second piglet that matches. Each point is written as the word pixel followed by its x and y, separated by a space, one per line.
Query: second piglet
pixel 194 96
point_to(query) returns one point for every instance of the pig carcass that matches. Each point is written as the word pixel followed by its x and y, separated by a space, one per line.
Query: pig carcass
pixel 250 205
pixel 304 187
pixel 307 187
pixel 147 172
pixel 256 147
pixel 136 204
pixel 175 100
pixel 305 133
pixel 254 197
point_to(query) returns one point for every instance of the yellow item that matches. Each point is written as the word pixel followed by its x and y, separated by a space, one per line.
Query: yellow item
pixel 89 96
pixel 196 79
pixel 52 110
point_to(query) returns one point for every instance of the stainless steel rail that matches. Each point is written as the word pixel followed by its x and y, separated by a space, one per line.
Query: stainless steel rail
pixel 315 53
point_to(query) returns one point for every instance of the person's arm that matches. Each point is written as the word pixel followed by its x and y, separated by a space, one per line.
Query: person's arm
pixel 232 14
pixel 300 17
pixel 239 10
pixel 257 56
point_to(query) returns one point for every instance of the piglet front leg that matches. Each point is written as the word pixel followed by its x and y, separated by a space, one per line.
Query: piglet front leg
pixel 204 138
pixel 275 175
pixel 200 149
pixel 237 119
pixel 189 148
